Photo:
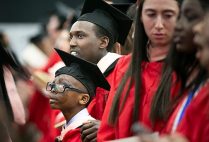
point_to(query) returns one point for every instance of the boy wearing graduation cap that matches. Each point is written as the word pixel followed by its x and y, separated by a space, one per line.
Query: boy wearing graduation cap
pixel 71 91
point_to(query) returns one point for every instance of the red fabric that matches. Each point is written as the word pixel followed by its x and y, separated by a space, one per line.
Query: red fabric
pixel 170 121
pixel 53 59
pixel 151 73
pixel 40 112
pixel 72 136
pixel 195 123
pixel 98 103
pixel 106 131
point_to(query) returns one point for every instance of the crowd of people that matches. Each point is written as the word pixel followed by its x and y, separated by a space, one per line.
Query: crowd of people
pixel 133 72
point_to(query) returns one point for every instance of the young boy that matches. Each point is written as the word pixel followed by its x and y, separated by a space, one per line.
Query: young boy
pixel 71 91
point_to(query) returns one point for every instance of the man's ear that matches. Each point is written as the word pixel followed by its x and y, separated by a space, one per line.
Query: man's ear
pixel 84 99
pixel 104 42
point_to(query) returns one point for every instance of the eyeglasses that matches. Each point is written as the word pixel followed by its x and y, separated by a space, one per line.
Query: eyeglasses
pixel 60 88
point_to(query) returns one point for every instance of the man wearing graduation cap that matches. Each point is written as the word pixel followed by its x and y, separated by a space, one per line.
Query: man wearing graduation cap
pixel 92 37
pixel 96 31
pixel 71 91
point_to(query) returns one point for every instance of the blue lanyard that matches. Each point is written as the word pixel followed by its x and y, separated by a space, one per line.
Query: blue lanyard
pixel 189 99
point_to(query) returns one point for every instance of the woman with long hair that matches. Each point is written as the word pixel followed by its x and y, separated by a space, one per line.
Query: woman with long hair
pixel 141 71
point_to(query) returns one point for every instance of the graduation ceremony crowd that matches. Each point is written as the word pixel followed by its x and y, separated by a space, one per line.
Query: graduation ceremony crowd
pixel 118 72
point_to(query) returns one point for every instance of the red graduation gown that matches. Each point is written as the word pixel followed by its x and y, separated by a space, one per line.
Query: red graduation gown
pixel 98 103
pixel 73 136
pixel 169 125
pixel 151 73
pixel 195 123
pixel 40 112
pixel 71 133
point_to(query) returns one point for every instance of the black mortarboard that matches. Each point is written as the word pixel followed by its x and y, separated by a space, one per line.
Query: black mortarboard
pixel 123 7
pixel 108 17
pixel 87 73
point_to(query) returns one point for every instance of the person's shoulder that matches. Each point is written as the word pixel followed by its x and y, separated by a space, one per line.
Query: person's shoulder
pixel 124 60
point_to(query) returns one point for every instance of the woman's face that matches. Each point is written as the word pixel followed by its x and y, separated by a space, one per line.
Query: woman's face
pixel 191 14
pixel 202 39
pixel 159 19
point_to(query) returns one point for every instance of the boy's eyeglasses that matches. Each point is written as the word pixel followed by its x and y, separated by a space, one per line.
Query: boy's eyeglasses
pixel 60 88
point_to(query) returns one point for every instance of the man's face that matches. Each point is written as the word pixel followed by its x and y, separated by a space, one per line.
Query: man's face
pixel 83 41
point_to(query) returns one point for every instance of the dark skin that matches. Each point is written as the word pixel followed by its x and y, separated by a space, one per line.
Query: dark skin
pixel 85 44
pixel 69 102
pixel 89 131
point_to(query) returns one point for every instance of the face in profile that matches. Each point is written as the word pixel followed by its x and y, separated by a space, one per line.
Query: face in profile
pixel 83 41
pixel 66 93
pixel 159 19
pixel 191 14
pixel 202 40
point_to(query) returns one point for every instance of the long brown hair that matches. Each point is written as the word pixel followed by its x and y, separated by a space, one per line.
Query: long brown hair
pixel 134 71
pixel 133 74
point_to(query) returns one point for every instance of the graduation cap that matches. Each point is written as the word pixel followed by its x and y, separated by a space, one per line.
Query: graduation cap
pixel 123 7
pixel 87 73
pixel 111 19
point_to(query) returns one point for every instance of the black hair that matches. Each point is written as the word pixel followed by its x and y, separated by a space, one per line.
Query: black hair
pixel 182 64
pixel 204 4
pixel 61 18
pixel 2 40
pixel 100 32
pixel 1 35
pixel 36 39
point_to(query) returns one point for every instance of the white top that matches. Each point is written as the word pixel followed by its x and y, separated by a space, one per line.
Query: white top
pixel 75 122
pixel 84 112
pixel 107 60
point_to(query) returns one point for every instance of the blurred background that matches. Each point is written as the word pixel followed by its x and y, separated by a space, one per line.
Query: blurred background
pixel 22 19
pixel 29 31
